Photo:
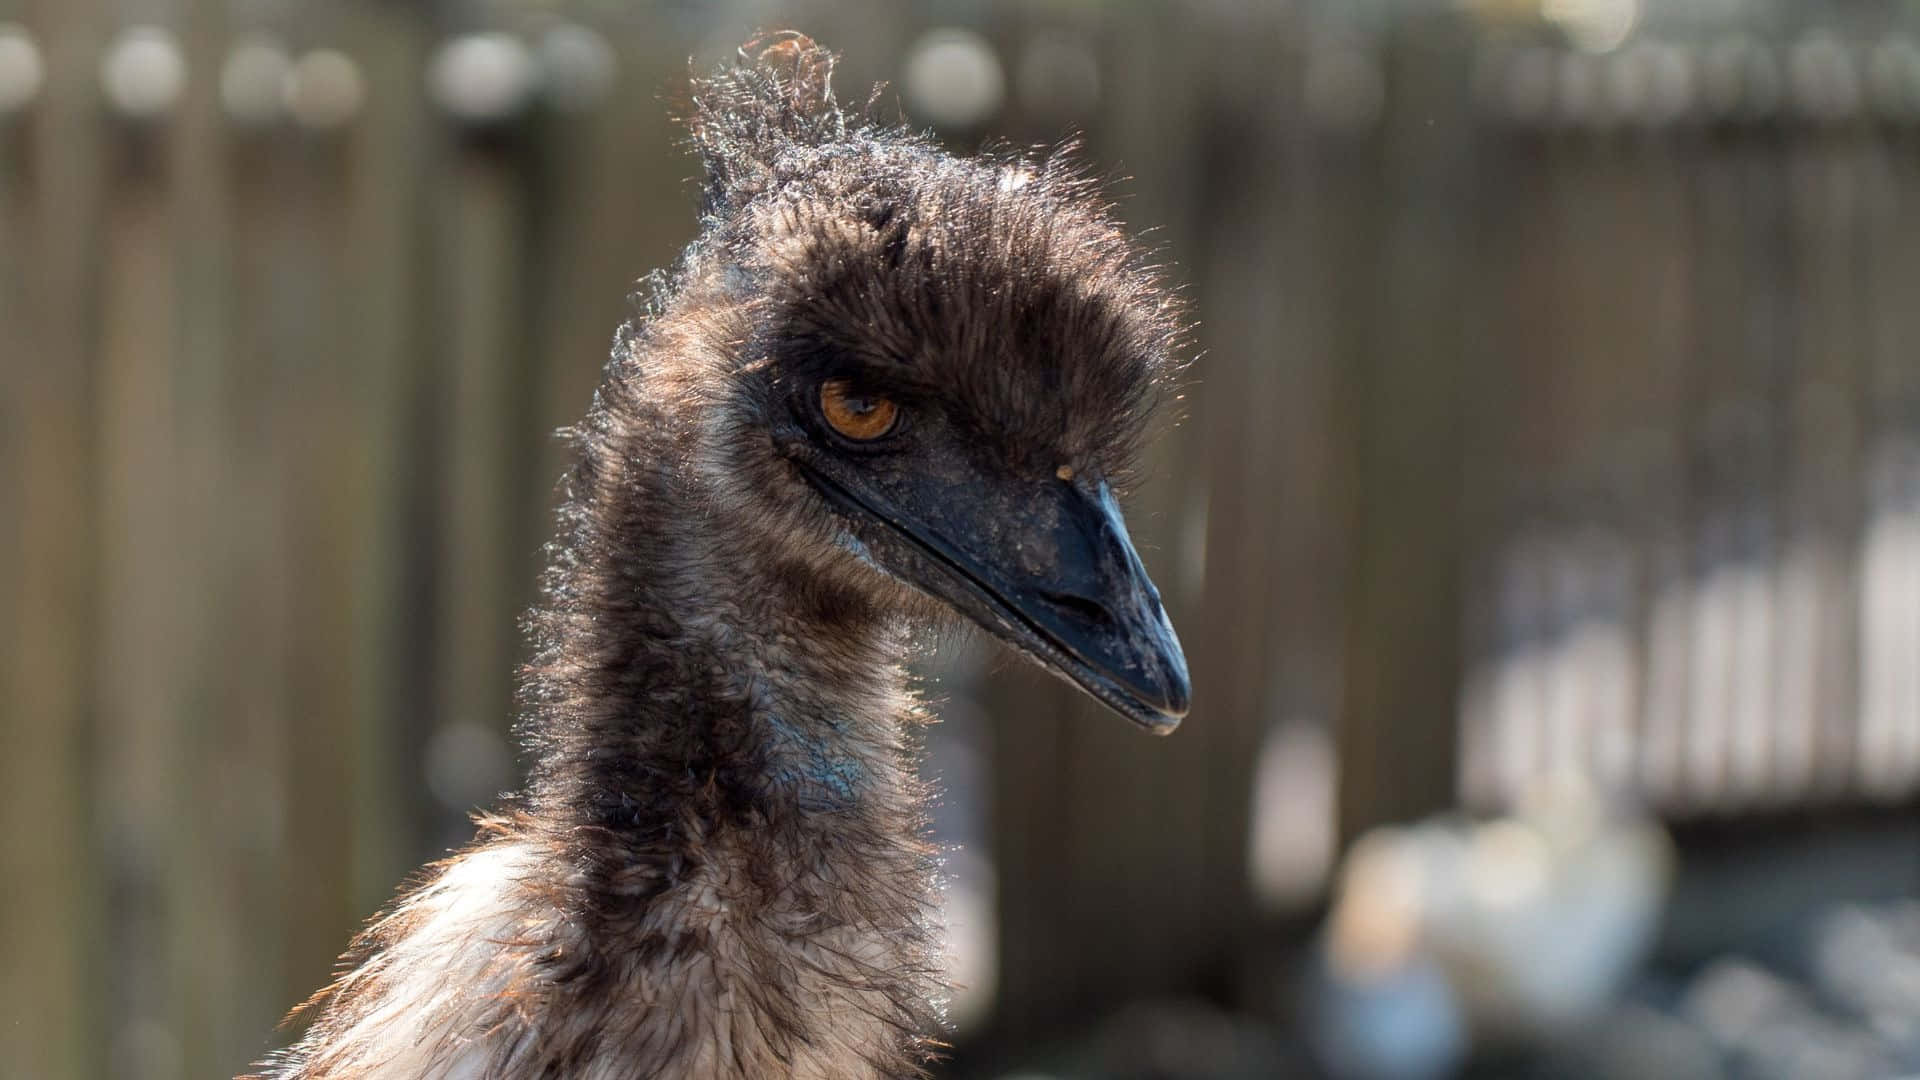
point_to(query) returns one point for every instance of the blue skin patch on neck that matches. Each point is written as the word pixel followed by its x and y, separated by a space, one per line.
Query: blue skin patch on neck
pixel 827 778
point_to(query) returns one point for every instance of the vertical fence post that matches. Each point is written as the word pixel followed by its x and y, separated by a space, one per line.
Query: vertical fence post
pixel 1402 644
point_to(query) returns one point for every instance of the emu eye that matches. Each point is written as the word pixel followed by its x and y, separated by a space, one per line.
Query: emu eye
pixel 862 417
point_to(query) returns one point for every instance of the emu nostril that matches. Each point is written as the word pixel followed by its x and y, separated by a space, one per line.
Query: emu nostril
pixel 1078 606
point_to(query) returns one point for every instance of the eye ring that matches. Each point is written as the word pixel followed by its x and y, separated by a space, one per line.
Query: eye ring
pixel 859 416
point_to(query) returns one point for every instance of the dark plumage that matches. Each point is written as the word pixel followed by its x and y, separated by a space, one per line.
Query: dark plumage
pixel 884 386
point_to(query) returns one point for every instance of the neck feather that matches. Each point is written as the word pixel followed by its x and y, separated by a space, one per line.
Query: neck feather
pixel 688 675
pixel 719 868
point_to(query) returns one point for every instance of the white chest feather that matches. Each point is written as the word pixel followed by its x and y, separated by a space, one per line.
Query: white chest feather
pixel 459 991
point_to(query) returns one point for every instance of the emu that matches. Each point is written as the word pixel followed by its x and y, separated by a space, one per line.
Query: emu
pixel 885 389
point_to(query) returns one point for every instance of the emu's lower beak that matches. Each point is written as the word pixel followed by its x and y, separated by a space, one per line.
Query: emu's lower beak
pixel 1051 572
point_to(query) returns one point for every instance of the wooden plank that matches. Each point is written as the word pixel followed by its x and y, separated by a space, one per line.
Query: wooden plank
pixel 16 270
pixel 223 1001
pixel 1886 536
pixel 1890 571
pixel 1250 406
pixel 51 985
pixel 386 153
pixel 1402 642
pixel 257 708
pixel 16 245
pixel 312 305
pixel 142 597
pixel 1660 337
pixel 1822 491
pixel 1315 230
pixel 478 246
pixel 595 168
pixel 1516 318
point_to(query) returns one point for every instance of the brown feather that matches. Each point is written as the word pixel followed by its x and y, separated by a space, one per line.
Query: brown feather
pixel 719 866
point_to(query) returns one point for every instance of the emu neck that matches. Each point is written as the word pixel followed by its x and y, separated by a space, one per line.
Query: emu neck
pixel 718 868
pixel 691 676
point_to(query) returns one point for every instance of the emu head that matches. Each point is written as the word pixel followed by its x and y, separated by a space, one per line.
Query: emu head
pixel 924 377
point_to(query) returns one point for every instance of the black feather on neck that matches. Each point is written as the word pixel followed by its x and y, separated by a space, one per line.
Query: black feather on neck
pixel 680 665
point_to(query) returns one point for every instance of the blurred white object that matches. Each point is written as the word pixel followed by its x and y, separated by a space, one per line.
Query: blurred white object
pixel 1822 79
pixel 1594 26
pixel 1290 844
pixel 1533 922
pixel 967 912
pixel 144 73
pixel 1893 77
pixel 21 69
pixel 1769 1026
pixel 253 82
pixel 577 66
pixel 1404 1026
pixel 1539 919
pixel 954 78
pixel 483 78
pixel 324 90
pixel 1868 960
pixel 1381 1008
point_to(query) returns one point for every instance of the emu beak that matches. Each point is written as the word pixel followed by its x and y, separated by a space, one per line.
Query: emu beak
pixel 1082 591
pixel 1051 572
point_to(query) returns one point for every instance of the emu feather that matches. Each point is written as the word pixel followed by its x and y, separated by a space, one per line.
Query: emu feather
pixel 719 867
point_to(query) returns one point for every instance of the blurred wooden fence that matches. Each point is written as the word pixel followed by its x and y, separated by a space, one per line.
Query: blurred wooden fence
pixel 1557 411
pixel 1697 572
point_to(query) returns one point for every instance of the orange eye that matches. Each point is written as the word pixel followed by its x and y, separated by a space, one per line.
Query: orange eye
pixel 857 416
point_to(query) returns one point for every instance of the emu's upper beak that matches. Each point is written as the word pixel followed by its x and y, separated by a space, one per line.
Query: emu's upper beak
pixel 1051 571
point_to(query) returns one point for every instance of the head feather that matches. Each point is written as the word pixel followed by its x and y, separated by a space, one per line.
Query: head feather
pixel 746 120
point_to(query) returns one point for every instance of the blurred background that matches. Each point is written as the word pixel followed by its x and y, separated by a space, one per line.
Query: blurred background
pixel 1543 526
